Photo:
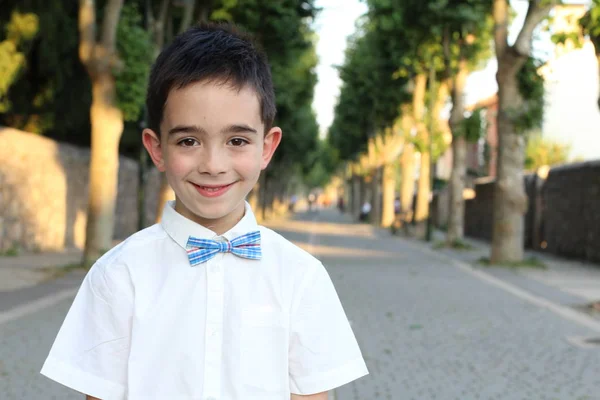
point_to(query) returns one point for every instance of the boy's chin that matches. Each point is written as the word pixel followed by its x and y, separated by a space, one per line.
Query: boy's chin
pixel 211 210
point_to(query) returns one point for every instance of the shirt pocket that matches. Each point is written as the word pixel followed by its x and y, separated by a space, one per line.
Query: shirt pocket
pixel 264 350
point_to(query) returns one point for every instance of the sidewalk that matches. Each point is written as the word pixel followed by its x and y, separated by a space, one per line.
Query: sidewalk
pixel 577 282
pixel 27 270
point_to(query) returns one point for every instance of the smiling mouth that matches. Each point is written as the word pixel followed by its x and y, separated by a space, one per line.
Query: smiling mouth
pixel 212 190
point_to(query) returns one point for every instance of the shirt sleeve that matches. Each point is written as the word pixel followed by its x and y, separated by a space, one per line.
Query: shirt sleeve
pixel 323 351
pixel 91 351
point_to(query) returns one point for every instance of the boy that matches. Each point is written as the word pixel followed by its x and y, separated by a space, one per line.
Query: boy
pixel 207 304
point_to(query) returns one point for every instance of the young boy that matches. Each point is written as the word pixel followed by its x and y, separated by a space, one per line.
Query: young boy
pixel 207 304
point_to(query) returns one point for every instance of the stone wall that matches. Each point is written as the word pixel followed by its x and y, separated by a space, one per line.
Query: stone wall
pixel 571 211
pixel 478 211
pixel 563 215
pixel 44 190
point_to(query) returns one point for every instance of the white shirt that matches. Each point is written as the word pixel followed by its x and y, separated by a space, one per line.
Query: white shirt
pixel 146 325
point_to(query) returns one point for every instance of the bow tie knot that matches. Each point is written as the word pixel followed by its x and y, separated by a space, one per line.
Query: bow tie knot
pixel 224 246
pixel 245 246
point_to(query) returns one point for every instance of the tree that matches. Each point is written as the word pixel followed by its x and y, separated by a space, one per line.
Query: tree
pixel 21 29
pixel 413 42
pixel 117 74
pixel 510 201
pixel 389 145
pixel 590 24
pixel 52 94
pixel 466 38
pixel 365 129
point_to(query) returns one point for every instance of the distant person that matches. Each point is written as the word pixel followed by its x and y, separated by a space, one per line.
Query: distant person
pixel 186 309
pixel 365 211
pixel 293 201
pixel 311 202
pixel 341 205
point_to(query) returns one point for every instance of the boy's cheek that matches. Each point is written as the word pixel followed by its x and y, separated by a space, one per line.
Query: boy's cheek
pixel 177 165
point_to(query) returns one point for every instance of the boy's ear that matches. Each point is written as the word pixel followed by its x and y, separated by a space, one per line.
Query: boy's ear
pixel 151 142
pixel 270 143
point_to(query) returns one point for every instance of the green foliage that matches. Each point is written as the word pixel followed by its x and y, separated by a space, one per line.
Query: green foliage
pixel 323 161
pixel 541 151
pixel 21 29
pixel 590 24
pixel 474 127
pixel 398 40
pixel 52 94
pixel 134 46
pixel 283 28
pixel 531 88
pixel 369 96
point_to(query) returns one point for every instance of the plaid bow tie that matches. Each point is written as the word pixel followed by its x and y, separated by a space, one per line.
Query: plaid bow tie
pixel 202 250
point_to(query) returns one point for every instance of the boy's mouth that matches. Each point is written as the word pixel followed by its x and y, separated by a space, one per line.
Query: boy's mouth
pixel 212 190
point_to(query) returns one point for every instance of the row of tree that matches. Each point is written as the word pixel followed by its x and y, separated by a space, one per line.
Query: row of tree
pixel 68 68
pixel 408 59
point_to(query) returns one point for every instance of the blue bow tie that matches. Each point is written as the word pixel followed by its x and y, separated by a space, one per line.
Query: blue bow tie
pixel 202 250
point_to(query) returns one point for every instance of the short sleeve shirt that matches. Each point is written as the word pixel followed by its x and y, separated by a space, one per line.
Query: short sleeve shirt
pixel 147 325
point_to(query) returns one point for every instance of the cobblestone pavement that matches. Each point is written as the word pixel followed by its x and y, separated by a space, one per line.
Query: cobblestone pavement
pixel 427 329
pixel 431 331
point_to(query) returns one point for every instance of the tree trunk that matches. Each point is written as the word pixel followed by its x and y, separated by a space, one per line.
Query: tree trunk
pixel 263 195
pixel 598 60
pixel 376 196
pixel 253 197
pixel 142 184
pixel 456 219
pixel 204 10
pixel 107 124
pixel 510 201
pixel 423 187
pixel 356 205
pixel 389 190
pixel 165 194
pixel 188 15
pixel 107 127
pixel 440 103
pixel 408 178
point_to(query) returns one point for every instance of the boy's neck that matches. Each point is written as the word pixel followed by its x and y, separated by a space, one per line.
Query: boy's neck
pixel 217 225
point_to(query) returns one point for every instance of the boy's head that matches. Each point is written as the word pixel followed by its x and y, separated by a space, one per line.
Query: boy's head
pixel 211 108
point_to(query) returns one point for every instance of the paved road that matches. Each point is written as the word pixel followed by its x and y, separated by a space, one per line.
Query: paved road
pixel 428 329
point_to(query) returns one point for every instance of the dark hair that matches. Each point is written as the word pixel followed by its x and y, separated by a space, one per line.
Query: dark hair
pixel 210 52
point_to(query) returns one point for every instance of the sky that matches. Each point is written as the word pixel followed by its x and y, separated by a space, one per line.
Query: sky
pixel 334 24
pixel 337 21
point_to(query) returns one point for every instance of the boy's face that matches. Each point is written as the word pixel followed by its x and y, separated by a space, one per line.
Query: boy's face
pixel 212 148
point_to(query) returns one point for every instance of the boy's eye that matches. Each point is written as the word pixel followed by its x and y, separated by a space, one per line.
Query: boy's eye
pixel 237 142
pixel 189 142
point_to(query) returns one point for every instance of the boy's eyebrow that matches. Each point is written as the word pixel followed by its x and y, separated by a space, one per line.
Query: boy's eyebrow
pixel 234 128
pixel 238 128
pixel 186 129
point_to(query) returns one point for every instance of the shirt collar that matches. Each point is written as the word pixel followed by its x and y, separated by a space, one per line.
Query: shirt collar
pixel 180 228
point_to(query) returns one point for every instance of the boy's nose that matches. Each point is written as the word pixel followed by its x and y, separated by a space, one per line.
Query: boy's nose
pixel 214 163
